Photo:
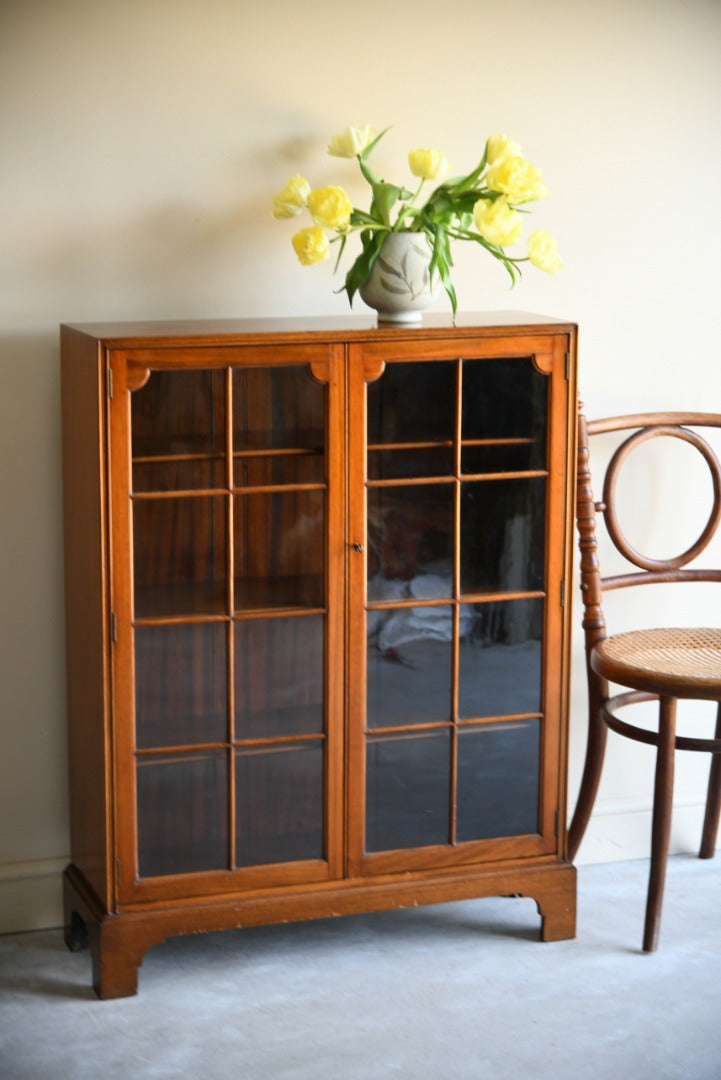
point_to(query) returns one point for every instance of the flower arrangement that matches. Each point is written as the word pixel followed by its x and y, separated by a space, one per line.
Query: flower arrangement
pixel 484 207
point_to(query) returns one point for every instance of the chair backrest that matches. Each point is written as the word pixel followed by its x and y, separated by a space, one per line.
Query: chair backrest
pixel 636 429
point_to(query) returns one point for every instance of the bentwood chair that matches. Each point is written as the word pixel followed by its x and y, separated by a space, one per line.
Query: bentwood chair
pixel 657 664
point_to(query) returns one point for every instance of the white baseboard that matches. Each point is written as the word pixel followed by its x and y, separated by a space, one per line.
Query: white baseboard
pixel 621 829
pixel 31 892
pixel 31 895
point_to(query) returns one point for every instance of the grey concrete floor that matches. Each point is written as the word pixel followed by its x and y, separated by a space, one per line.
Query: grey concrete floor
pixel 455 991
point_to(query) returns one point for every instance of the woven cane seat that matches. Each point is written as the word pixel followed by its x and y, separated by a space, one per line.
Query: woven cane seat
pixel 683 662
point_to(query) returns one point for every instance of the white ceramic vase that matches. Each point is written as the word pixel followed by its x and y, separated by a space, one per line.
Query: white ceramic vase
pixel 399 287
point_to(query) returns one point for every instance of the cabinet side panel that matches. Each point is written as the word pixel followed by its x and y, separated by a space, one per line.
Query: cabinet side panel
pixel 84 531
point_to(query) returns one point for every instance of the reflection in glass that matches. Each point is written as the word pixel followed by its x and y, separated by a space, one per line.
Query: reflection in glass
pixel 178 431
pixel 179 555
pixel 407 790
pixel 502 535
pixel 510 456
pixel 436 460
pixel 279 550
pixel 500 658
pixel 503 398
pixel 182 813
pixel 420 536
pixel 279 467
pixel 412 402
pixel 180 684
pixel 409 666
pixel 279 804
pixel 180 474
pixel 410 538
pixel 498 780
pixel 278 426
pixel 279 675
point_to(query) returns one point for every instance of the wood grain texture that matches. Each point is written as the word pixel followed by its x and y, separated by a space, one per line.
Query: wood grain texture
pixel 663 664
pixel 122 544
pixel 86 607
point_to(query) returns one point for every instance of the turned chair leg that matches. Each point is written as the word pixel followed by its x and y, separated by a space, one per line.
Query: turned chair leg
pixel 661 828
pixel 713 801
pixel 592 769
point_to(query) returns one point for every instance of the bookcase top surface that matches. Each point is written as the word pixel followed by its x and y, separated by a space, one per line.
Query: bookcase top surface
pixel 126 334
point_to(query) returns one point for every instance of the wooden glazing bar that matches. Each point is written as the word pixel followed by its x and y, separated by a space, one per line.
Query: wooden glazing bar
pixel 279 740
pixel 260 489
pixel 456 643
pixel 178 620
pixel 396 729
pixel 180 493
pixel 195 751
pixel 491 597
pixel 504 441
pixel 519 474
pixel 276 489
pixel 466 477
pixel 478 721
pixel 247 614
pixel 163 459
pixel 230 586
pixel 283 451
pixel 431 444
pixel 470 598
pixel 383 605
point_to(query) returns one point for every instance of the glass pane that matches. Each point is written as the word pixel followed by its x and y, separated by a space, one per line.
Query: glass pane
pixel 279 671
pixel 182 813
pixel 410 541
pixel 180 684
pixel 502 535
pixel 409 666
pixel 416 461
pixel 179 555
pixel 182 474
pixel 412 403
pixel 407 790
pixel 503 398
pixel 279 804
pixel 178 431
pixel 179 547
pixel 504 456
pixel 279 550
pixel 500 658
pixel 278 426
pixel 498 780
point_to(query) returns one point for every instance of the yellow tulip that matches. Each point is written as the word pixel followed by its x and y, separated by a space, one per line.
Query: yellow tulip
pixel 352 142
pixel 543 251
pixel 330 207
pixel 311 245
pixel 292 199
pixel 427 163
pixel 517 178
pixel 499 146
pixel 497 222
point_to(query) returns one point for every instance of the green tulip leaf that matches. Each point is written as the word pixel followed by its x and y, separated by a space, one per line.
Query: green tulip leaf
pixel 360 271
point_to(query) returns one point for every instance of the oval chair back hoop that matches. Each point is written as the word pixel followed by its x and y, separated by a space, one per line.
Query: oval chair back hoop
pixel 663 664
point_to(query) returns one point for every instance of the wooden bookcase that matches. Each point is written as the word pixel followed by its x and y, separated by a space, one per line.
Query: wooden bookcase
pixel 317 646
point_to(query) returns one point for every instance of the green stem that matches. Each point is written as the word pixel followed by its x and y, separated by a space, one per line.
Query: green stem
pixel 407 207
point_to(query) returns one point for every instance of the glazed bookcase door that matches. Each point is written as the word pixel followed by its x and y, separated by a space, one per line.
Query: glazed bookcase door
pixel 226 598
pixel 458 497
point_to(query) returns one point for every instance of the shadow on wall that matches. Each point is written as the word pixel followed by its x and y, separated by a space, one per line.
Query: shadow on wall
pixel 32 694
pixel 181 255
pixel 173 260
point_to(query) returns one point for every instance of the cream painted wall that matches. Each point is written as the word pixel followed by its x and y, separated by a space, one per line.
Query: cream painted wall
pixel 141 142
